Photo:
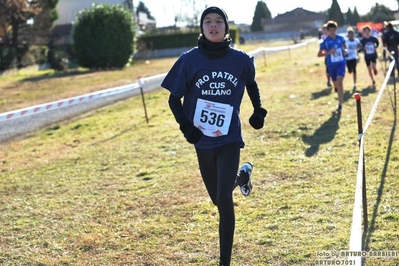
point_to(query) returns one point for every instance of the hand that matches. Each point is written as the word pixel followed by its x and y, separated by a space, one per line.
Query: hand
pixel 191 133
pixel 257 119
pixel 332 51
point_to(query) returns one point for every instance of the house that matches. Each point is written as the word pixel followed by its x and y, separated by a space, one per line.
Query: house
pixel 144 22
pixel 294 21
pixel 61 34
pixel 67 12
pixel 68 9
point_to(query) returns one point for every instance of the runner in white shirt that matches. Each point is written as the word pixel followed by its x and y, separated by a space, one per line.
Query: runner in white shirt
pixel 352 45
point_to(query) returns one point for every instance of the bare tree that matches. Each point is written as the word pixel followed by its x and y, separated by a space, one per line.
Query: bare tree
pixel 190 12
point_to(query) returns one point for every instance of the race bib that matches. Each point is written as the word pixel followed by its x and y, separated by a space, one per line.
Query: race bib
pixel 337 56
pixel 370 48
pixel 213 118
pixel 352 54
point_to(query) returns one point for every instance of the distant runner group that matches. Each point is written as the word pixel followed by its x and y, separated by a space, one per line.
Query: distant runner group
pixel 341 53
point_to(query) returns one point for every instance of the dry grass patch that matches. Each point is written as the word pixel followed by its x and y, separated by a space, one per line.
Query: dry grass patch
pixel 109 189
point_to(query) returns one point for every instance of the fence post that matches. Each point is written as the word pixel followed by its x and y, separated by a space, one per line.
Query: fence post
pixel 142 98
pixel 384 57
pixel 264 57
pixel 1 56
pixel 360 132
pixel 394 80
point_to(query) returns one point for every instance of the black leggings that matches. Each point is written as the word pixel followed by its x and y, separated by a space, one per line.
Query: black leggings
pixel 218 168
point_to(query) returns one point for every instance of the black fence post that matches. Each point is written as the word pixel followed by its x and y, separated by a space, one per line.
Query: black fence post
pixel 360 132
pixel 143 100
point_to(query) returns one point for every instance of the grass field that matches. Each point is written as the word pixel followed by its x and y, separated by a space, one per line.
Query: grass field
pixel 109 189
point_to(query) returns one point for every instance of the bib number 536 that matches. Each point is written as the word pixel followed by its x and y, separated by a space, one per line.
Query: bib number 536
pixel 212 118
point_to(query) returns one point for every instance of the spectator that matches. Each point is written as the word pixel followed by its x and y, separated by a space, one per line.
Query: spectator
pixel 390 40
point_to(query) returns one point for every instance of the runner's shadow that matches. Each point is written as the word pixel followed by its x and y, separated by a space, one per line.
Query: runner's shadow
pixel 348 95
pixel 392 81
pixel 322 93
pixel 368 90
pixel 326 92
pixel 324 134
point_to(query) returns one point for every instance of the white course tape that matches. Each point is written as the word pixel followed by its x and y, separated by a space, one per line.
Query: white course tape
pixel 377 101
pixel 280 48
pixel 65 102
pixel 148 83
pixel 355 242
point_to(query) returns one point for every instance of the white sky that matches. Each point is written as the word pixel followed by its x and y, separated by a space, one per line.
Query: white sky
pixel 164 11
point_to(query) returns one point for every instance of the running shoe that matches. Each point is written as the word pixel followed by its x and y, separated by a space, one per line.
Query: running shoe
pixel 328 83
pixel 245 173
pixel 375 72
pixel 339 109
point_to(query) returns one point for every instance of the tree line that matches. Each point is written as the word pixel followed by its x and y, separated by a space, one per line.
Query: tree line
pixel 377 13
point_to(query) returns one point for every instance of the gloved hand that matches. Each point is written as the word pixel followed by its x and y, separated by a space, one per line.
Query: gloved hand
pixel 257 119
pixel 191 133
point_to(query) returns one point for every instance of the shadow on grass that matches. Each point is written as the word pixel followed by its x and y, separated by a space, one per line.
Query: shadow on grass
pixel 348 94
pixel 324 134
pixel 392 80
pixel 328 129
pixel 322 93
pixel 368 90
pixel 369 232
pixel 58 75
pixel 113 137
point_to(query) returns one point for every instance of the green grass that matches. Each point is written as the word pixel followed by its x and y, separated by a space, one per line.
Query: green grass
pixel 109 189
